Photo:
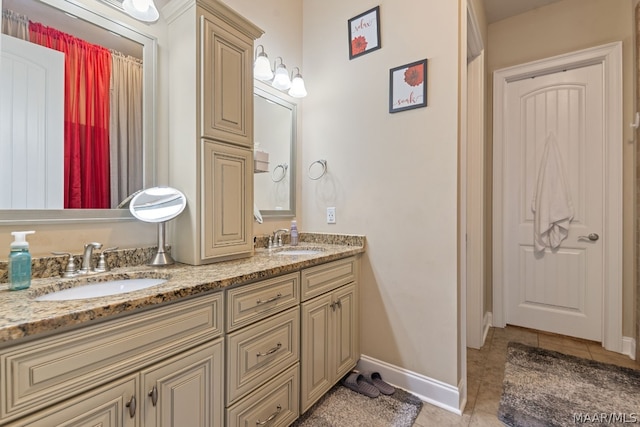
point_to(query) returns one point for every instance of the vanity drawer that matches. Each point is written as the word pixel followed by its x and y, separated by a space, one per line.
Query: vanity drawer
pixel 48 370
pixel 273 404
pixel 327 277
pixel 250 303
pixel 259 352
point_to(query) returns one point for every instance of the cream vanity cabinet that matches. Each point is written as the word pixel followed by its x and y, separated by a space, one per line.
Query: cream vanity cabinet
pixel 263 352
pixel 329 327
pixel 211 131
pixel 145 369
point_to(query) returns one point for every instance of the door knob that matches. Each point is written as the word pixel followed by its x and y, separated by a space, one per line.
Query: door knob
pixel 592 236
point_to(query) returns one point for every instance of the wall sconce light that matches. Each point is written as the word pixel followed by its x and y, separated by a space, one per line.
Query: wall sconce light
pixel 261 66
pixel 297 85
pixel 281 79
pixel 142 10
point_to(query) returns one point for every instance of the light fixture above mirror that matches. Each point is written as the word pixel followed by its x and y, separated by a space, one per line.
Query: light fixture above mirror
pixel 142 10
pixel 278 76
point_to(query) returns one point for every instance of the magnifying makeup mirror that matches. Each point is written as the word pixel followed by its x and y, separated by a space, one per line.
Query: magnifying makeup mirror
pixel 158 204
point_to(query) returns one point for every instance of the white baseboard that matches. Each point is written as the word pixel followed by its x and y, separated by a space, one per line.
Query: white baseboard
pixel 488 322
pixel 427 389
pixel 629 347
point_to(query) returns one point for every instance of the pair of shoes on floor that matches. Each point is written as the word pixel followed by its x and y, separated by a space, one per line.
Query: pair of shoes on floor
pixel 367 383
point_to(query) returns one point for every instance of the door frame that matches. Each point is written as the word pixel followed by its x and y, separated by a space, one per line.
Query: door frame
pixel 610 56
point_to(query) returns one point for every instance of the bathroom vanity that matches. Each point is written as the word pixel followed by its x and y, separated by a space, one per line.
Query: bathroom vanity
pixel 256 340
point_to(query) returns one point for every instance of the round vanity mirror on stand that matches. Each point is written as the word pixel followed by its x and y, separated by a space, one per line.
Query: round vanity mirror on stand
pixel 158 204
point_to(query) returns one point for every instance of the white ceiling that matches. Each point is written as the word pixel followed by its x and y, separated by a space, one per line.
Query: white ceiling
pixel 497 10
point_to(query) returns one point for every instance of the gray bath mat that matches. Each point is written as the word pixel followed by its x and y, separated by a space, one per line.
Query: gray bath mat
pixel 546 388
pixel 342 407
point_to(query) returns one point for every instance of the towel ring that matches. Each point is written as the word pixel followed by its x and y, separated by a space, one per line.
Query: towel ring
pixel 284 168
pixel 322 163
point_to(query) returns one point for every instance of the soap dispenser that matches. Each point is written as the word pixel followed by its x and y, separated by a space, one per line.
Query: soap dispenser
pixel 294 233
pixel 19 262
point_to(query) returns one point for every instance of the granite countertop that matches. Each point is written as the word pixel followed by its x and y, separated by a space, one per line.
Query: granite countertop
pixel 22 316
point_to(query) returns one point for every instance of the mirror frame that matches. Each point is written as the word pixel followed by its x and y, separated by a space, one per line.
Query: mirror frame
pixel 149 56
pixel 277 97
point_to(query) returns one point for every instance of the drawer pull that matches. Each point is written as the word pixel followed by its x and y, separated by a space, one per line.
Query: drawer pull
pixel 273 350
pixel 154 395
pixel 272 299
pixel 271 417
pixel 132 406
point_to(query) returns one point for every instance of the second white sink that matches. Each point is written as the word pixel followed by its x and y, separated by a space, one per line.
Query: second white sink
pixel 100 289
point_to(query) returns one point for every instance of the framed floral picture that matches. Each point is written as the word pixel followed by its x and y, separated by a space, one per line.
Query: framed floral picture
pixel 364 33
pixel 408 86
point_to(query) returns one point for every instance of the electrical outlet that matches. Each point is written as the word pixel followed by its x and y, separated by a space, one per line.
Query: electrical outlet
pixel 331 215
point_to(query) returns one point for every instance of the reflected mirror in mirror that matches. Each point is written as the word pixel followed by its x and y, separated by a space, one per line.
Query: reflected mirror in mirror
pixel 274 135
pixel 126 135
pixel 159 205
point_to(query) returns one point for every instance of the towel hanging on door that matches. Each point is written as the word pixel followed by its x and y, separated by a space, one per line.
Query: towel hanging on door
pixel 552 207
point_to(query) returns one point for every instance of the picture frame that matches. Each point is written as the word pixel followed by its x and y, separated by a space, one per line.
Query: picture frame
pixel 408 86
pixel 364 33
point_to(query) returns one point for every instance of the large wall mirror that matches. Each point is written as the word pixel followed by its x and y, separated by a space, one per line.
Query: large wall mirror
pixel 122 41
pixel 274 135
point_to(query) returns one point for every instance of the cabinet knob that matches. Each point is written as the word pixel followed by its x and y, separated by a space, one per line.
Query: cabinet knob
pixel 154 395
pixel 132 406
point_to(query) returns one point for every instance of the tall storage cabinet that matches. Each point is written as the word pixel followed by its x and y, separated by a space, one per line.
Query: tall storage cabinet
pixel 211 129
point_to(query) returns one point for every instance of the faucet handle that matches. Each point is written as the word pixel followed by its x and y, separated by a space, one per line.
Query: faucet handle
pixel 102 264
pixel 96 245
pixel 70 270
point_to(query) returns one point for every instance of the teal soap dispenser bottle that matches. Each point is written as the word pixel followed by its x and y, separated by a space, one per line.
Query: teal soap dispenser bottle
pixel 19 262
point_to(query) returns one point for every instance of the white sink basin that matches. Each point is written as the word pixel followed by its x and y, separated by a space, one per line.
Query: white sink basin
pixel 100 289
pixel 299 252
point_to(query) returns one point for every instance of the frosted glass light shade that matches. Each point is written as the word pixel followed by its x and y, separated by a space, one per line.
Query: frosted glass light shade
pixel 262 68
pixel 142 10
pixel 281 80
pixel 297 87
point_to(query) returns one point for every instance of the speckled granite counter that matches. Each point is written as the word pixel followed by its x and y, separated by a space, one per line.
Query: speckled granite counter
pixel 22 316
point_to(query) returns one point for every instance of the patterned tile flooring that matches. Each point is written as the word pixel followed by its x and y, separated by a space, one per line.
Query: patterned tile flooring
pixel 485 368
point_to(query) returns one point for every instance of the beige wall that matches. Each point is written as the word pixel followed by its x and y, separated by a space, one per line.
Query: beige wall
pixel 71 237
pixel 392 177
pixel 567 26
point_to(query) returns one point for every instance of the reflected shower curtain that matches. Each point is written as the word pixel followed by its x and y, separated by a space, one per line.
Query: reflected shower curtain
pixel 126 127
pixel 86 128
pixel 15 25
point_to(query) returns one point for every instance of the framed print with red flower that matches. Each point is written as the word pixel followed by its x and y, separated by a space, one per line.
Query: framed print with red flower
pixel 408 86
pixel 364 33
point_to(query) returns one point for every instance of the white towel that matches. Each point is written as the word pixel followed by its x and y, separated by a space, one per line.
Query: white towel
pixel 552 207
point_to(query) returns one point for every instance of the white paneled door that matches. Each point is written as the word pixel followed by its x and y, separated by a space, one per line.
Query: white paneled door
pixel 558 290
pixel 31 125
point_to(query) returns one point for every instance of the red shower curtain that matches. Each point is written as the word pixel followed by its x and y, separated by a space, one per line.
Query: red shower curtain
pixel 86 125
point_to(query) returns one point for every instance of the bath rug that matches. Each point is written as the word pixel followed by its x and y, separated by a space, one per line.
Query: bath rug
pixel 546 388
pixel 342 407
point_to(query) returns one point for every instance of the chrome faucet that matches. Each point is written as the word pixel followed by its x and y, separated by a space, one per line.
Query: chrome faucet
pixel 86 258
pixel 277 237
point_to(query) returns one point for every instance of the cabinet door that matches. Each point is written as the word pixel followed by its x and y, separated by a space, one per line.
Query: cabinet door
pixel 227 83
pixel 315 362
pixel 228 193
pixel 346 326
pixel 107 406
pixel 186 390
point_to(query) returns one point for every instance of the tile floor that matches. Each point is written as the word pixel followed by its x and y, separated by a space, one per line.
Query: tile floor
pixel 485 368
